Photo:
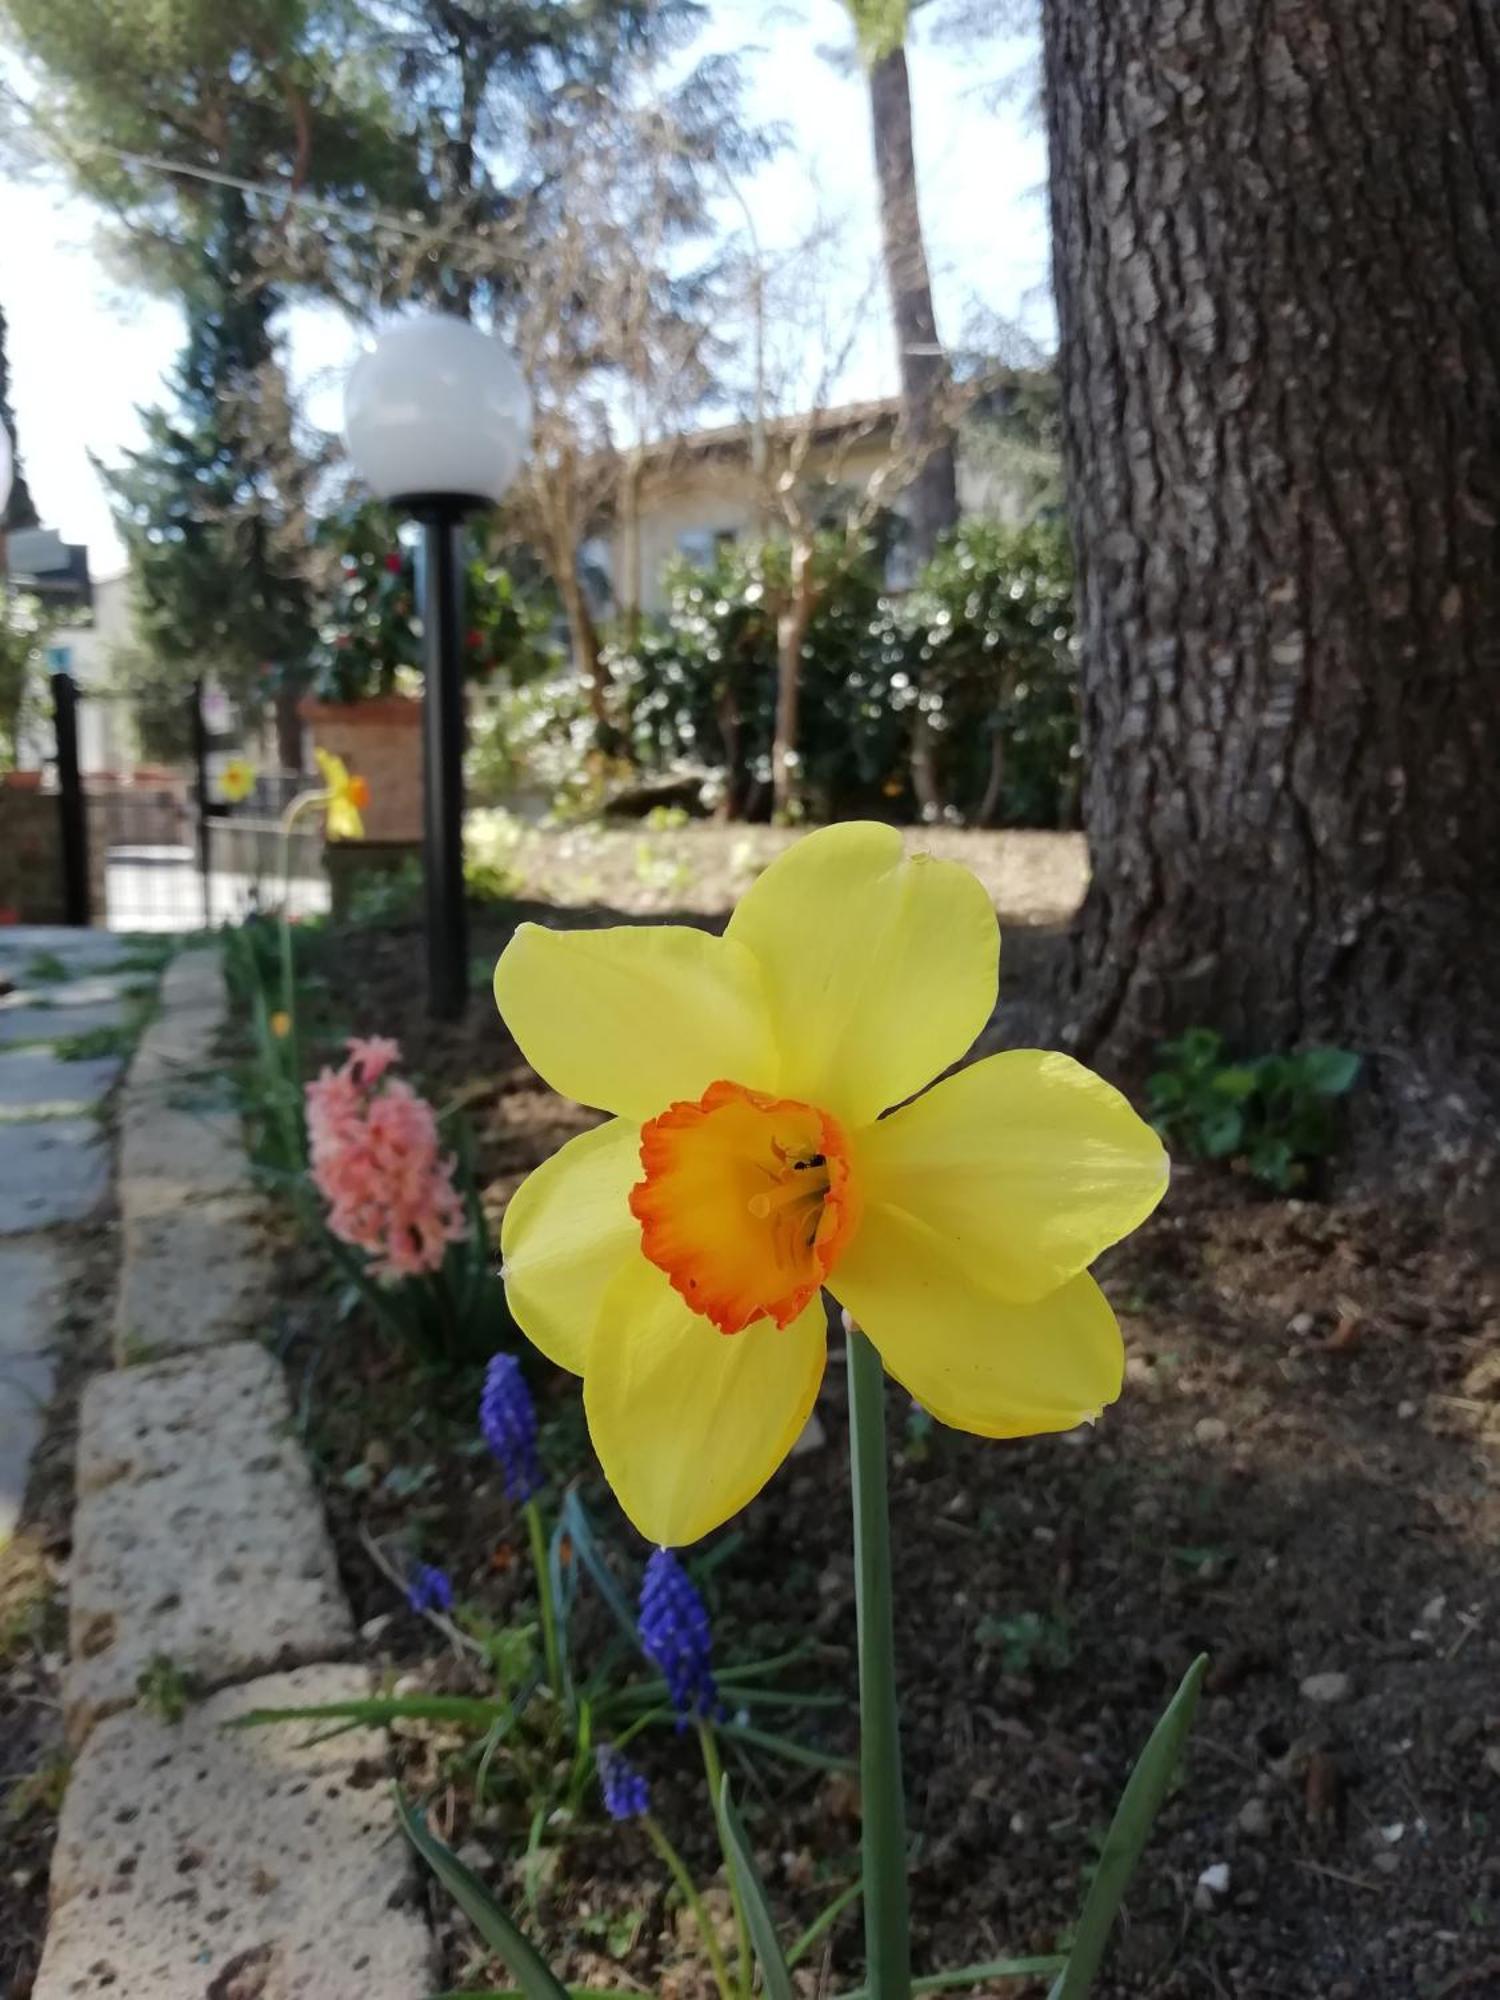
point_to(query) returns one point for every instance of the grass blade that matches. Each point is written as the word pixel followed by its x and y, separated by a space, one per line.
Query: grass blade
pixel 1128 1833
pixel 824 1921
pixel 785 1746
pixel 775 1978
pixel 580 1528
pixel 975 1975
pixel 378 1709
pixel 536 1979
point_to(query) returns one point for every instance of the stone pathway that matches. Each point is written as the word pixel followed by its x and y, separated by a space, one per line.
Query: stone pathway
pixel 193 1860
pixel 55 985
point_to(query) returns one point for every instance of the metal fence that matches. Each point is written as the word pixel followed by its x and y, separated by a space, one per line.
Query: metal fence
pixel 158 847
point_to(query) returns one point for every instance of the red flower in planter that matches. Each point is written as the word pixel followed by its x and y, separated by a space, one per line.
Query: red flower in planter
pixel 393 563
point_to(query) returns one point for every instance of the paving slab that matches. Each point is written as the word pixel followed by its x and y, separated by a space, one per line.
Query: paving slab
pixel 60 995
pixel 37 1082
pixel 195 981
pixel 54 1024
pixel 175 1048
pixel 174 1150
pixel 190 1278
pixel 31 1277
pixel 79 950
pixel 199 1862
pixel 198 1537
pixel 51 1171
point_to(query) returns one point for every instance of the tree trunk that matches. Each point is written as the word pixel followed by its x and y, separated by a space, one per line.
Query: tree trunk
pixel 792 622
pixel 1277 247
pixel 933 495
pixel 584 636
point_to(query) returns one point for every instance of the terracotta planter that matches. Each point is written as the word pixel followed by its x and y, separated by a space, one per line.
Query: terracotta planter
pixel 22 781
pixel 382 741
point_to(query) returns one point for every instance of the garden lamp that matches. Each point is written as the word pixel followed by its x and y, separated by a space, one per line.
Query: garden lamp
pixel 437 420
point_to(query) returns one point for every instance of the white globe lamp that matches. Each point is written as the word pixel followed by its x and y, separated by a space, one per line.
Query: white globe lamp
pixel 437 411
pixel 437 421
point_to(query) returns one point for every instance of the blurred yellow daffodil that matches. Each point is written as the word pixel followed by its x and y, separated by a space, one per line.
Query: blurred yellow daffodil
pixel 348 795
pixel 674 1257
pixel 280 1024
pixel 238 780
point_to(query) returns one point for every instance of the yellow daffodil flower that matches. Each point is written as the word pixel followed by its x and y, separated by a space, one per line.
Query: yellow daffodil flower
pixel 675 1256
pixel 348 795
pixel 280 1024
pixel 238 780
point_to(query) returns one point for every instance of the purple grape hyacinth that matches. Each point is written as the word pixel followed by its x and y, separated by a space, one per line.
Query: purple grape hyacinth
pixel 429 1588
pixel 507 1420
pixel 626 1793
pixel 676 1637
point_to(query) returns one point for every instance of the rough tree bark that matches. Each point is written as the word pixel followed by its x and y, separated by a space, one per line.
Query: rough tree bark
pixel 1277 259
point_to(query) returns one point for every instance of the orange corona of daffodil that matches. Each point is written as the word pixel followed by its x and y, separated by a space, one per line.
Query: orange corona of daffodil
pixel 348 795
pixel 238 780
pixel 675 1256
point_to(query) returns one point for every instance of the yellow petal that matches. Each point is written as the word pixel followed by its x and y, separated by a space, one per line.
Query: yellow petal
pixel 332 769
pixel 567 1231
pixel 689 1423
pixel 636 1018
pixel 342 819
pixel 879 970
pixel 1027 1165
pixel 975 1360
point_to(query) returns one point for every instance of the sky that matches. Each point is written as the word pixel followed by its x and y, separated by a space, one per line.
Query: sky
pixel 87 348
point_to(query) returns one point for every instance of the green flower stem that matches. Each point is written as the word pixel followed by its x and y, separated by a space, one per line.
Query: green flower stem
pixel 714 1772
pixel 883 1804
pixel 678 1870
pixel 544 1597
pixel 288 976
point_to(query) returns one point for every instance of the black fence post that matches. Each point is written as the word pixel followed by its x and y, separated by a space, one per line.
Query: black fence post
pixel 200 800
pixel 73 818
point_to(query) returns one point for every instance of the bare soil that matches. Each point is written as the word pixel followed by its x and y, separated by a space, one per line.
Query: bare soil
pixel 1302 1479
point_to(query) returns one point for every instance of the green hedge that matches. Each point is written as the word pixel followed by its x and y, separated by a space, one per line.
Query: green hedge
pixel 981 649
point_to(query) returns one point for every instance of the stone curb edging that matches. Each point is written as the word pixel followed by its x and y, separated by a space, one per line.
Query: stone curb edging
pixel 194 1860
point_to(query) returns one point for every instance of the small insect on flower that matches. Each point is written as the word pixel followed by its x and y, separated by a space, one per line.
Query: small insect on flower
pixel 777 1132
pixel 676 1636
pixel 507 1422
pixel 429 1588
pixel 626 1793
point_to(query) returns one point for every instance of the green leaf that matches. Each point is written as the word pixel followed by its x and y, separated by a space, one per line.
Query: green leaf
pixel 1329 1072
pixel 1128 1833
pixel 1236 1081
pixel 484 1913
pixel 776 1979
pixel 1220 1131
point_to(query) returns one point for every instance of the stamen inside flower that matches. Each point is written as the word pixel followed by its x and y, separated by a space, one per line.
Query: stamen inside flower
pixel 746 1204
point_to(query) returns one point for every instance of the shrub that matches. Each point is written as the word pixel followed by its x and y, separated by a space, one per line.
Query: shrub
pixel 981 648
pixel 368 628
pixel 1277 1113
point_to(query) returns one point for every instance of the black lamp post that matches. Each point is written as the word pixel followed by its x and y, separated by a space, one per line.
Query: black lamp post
pixel 437 420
